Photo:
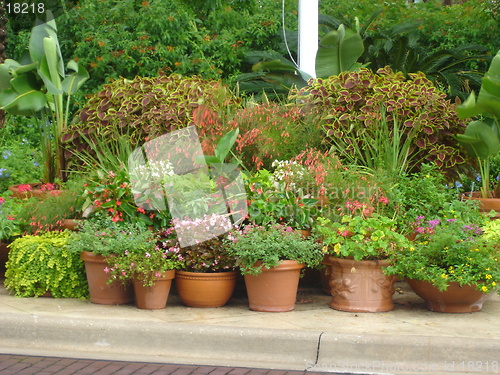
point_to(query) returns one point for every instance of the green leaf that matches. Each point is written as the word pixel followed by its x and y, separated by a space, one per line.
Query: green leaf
pixel 225 144
pixel 74 81
pixel 480 140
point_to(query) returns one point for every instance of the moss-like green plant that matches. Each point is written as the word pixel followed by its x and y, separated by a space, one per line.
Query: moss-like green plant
pixel 383 120
pixel 40 264
pixel 144 108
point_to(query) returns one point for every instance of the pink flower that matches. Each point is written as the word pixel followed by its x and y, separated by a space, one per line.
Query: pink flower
pixel 2 200
pixel 106 270
pixel 383 200
pixel 24 187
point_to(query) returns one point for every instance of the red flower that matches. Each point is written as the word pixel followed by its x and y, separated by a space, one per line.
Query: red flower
pixel 24 187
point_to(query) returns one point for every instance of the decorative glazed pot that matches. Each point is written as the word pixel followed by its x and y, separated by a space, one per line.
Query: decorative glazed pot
pixel 153 297
pixel 455 299
pixel 360 285
pixel 275 288
pixel 200 289
pixel 102 292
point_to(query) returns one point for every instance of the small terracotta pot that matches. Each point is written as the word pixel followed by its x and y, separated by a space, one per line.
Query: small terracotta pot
pixel 360 285
pixel 153 297
pixel 102 292
pixel 200 289
pixel 275 288
pixel 455 299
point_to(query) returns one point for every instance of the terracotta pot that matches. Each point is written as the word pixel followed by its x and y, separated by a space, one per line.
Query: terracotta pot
pixel 71 224
pixel 34 192
pixel 102 292
pixel 360 285
pixel 4 256
pixel 153 297
pixel 199 289
pixel 455 299
pixel 485 204
pixel 274 289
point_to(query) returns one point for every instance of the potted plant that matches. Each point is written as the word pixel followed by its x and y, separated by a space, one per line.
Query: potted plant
pixel 451 263
pixel 271 258
pixel 482 135
pixel 44 264
pixel 149 264
pixel 100 239
pixel 207 275
pixel 10 228
pixel 41 89
pixel 359 247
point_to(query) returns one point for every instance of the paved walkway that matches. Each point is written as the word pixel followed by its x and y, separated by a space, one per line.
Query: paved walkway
pixel 313 337
pixel 33 365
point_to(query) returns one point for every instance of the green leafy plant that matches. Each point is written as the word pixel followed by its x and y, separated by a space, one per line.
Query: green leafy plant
pixel 209 255
pixel 41 89
pixel 278 198
pixel 360 237
pixel 269 245
pixel 40 264
pixel 482 136
pixel 144 108
pixel 19 163
pixel 451 247
pixel 383 120
pixel 10 226
pixel 105 237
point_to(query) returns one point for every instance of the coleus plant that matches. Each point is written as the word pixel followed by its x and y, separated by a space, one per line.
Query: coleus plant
pixel 144 108
pixel 383 120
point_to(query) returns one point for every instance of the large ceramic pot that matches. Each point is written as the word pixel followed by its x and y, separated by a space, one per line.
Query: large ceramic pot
pixel 275 288
pixel 101 291
pixel 455 299
pixel 360 285
pixel 200 289
pixel 153 297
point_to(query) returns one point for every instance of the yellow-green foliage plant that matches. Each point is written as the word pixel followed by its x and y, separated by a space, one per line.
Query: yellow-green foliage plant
pixel 41 264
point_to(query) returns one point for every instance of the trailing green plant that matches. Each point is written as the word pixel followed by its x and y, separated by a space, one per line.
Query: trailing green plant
pixel 44 263
pixel 383 120
pixel 269 245
pixel 42 89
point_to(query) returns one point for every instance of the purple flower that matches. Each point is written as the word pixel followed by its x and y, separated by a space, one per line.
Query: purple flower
pixel 420 218
pixel 451 220
pixel 433 223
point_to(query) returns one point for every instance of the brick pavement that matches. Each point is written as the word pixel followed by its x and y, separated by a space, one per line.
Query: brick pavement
pixel 33 365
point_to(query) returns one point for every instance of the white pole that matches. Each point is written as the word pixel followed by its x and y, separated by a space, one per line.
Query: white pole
pixel 308 35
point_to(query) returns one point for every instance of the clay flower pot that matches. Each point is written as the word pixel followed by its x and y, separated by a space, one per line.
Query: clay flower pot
pixel 153 297
pixel 102 292
pixel 455 299
pixel 360 285
pixel 200 289
pixel 275 288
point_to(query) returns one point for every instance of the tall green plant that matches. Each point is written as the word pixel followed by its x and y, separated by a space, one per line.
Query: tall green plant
pixel 42 89
pixel 482 136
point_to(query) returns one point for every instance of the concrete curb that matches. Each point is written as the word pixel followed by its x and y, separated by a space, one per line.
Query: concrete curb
pixel 193 344
pixel 159 342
